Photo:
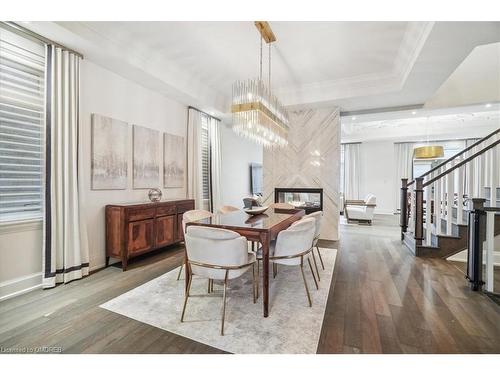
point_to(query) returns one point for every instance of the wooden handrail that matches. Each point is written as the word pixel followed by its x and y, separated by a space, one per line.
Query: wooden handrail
pixel 458 165
pixel 492 209
pixel 456 155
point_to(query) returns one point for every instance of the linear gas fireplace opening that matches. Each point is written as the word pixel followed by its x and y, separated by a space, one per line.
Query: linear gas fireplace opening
pixel 308 199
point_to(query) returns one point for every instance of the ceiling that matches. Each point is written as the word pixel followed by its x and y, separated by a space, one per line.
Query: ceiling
pixel 218 53
pixel 475 121
pixel 354 65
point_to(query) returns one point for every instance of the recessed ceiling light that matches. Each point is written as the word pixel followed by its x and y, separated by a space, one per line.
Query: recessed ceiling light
pixel 488 105
pixel 353 118
pixel 413 112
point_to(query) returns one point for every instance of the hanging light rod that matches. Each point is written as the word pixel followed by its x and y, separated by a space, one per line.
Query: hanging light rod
pixel 265 31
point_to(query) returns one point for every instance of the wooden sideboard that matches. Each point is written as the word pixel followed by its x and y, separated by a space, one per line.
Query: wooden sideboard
pixel 135 229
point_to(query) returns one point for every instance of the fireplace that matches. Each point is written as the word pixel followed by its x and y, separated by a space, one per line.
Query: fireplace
pixel 308 199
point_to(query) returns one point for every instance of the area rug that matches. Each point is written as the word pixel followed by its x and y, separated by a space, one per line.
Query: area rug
pixel 292 326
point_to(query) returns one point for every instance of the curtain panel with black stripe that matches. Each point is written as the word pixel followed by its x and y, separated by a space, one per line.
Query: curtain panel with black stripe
pixel 66 253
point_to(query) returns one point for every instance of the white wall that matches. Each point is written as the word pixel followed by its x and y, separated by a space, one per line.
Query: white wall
pixel 377 174
pixel 237 155
pixel 476 80
pixel 20 257
pixel 109 94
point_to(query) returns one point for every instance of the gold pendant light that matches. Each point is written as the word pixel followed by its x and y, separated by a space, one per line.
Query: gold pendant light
pixel 257 113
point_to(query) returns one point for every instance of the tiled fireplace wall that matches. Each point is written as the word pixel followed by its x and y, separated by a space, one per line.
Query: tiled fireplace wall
pixel 311 159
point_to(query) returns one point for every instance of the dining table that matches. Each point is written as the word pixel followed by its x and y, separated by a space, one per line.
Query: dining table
pixel 262 228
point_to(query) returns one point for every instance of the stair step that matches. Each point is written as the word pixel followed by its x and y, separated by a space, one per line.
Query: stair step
pixel 443 245
pixel 448 236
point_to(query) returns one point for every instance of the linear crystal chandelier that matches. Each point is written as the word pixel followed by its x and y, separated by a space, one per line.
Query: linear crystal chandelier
pixel 257 113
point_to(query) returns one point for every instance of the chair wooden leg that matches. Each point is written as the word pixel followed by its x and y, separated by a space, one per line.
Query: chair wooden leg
pixel 186 297
pixel 305 281
pixel 275 270
pixel 315 265
pixel 258 278
pixel 209 285
pixel 320 257
pixel 224 304
pixel 180 271
pixel 312 271
pixel 253 284
pixel 212 285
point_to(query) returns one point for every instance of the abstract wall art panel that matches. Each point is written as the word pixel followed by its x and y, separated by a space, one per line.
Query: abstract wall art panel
pixel 109 164
pixel 146 158
pixel 174 161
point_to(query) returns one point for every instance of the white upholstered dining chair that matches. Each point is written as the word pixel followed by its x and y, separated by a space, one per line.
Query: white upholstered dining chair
pixel 318 218
pixel 217 254
pixel 188 216
pixel 227 209
pixel 292 247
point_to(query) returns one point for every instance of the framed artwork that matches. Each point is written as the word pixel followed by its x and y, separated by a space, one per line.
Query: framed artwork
pixel 174 161
pixel 146 158
pixel 109 163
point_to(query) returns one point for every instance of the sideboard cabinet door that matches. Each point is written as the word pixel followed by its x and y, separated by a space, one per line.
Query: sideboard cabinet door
pixel 140 236
pixel 165 230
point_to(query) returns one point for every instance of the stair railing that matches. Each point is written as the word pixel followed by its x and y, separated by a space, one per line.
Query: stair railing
pixel 460 154
pixel 440 194
pixel 481 227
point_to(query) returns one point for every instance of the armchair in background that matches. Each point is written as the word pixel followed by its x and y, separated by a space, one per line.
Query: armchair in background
pixel 360 210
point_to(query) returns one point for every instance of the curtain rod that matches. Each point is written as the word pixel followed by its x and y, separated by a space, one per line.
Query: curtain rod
pixel 209 115
pixel 22 31
pixel 438 140
pixel 350 143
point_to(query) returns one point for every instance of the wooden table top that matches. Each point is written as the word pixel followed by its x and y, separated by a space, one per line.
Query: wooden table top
pixel 241 220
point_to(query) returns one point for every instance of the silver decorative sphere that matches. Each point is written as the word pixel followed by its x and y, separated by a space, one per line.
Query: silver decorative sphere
pixel 155 195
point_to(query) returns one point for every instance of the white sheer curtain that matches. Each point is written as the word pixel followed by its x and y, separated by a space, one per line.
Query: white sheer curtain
pixel 214 135
pixel 352 170
pixel 200 150
pixel 194 167
pixel 404 164
pixel 66 253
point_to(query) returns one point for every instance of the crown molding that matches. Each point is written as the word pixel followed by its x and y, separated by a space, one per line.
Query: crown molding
pixel 393 80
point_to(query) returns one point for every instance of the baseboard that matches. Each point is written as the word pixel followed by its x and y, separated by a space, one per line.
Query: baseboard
pixel 462 257
pixel 384 212
pixel 20 285
pixel 100 266
pixel 97 267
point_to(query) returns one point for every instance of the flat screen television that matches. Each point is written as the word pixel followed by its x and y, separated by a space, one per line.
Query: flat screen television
pixel 256 178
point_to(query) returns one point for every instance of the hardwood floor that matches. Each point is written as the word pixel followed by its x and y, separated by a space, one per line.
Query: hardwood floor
pixel 382 300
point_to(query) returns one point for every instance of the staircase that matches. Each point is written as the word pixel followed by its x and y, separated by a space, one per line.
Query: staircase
pixel 434 206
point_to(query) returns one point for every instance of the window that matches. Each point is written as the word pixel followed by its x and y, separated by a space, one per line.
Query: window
pixel 342 170
pixel 256 178
pixel 205 160
pixel 22 93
